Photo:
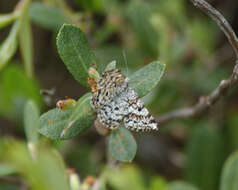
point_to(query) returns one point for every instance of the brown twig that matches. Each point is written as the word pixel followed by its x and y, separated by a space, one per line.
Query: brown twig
pixel 206 101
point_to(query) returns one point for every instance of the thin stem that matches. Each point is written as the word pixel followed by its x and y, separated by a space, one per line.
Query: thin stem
pixel 206 101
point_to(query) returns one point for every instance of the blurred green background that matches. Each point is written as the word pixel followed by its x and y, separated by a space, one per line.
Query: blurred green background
pixel 185 154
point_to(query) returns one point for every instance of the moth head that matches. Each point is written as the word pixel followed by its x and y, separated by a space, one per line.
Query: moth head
pixel 93 84
pixel 93 78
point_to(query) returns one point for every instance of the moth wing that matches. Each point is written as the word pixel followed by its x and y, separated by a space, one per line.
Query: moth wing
pixel 138 117
pixel 111 85
pixel 111 115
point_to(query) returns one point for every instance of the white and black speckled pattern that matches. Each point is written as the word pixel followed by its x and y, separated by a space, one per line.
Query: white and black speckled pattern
pixel 116 103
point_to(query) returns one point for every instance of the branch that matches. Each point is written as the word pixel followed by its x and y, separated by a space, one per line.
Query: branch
pixel 221 22
pixel 206 101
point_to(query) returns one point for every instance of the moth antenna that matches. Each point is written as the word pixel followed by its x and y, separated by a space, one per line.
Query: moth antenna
pixel 124 56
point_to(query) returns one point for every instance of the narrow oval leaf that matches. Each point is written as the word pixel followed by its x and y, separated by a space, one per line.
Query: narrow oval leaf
pixel 31 121
pixel 145 79
pixel 58 124
pixel 9 46
pixel 75 52
pixel 180 185
pixel 16 89
pixel 7 19
pixel 26 43
pixel 52 123
pixel 229 179
pixel 122 145
pixel 47 17
pixel 205 171
pixel 48 171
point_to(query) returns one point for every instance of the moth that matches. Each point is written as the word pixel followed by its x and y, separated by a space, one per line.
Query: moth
pixel 116 103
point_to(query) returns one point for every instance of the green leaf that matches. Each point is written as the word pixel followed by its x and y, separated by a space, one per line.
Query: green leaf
pixel 53 122
pixel 31 121
pixel 46 171
pixel 174 11
pixel 127 177
pixel 205 156
pixel 200 33
pixel 16 88
pixel 47 17
pixel 122 145
pixel 229 178
pixel 26 45
pixel 92 5
pixel 158 183
pixel 139 14
pixel 232 130
pixel 6 169
pixel 72 121
pixel 180 185
pixel 9 46
pixel 145 79
pixel 75 52
pixel 7 19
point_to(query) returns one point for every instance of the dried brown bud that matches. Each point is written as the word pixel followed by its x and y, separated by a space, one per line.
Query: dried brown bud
pixel 66 104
